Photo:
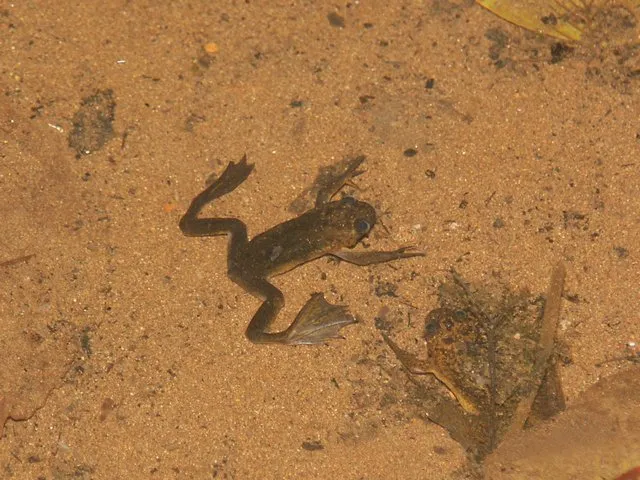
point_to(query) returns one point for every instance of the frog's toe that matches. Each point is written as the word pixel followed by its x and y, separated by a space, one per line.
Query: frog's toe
pixel 317 322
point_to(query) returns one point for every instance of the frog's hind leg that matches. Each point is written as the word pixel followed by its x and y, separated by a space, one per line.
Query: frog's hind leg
pixel 268 311
pixel 331 183
pixel 191 225
pixel 317 322
pixel 423 367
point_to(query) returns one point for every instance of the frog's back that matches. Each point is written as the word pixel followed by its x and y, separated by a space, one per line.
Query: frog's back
pixel 320 231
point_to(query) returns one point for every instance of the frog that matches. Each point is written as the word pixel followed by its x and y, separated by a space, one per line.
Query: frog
pixel 490 347
pixel 482 343
pixel 331 228
pixel 493 349
pixel 455 339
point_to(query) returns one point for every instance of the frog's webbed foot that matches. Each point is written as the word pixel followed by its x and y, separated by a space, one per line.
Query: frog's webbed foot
pixel 317 322
pixel 362 258
pixel 233 175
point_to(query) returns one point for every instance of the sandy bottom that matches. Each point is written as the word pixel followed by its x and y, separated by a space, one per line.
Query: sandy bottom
pixel 122 348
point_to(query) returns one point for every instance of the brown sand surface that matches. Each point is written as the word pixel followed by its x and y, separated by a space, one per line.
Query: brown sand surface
pixel 122 348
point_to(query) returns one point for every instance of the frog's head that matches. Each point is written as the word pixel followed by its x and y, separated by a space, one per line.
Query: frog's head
pixel 351 221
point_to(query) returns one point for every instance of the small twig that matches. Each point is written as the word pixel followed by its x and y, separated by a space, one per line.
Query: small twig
pixel 550 321
pixel 13 261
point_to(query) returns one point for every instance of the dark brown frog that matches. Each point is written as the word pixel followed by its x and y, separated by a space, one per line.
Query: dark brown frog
pixel 331 228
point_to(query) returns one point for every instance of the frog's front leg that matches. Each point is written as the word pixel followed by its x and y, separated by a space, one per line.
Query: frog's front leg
pixel 363 258
pixel 317 321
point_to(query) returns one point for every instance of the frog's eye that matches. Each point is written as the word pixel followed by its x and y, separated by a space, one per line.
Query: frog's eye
pixel 431 329
pixel 350 201
pixel 362 226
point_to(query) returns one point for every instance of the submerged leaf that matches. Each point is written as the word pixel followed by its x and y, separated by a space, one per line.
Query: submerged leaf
pixel 565 19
